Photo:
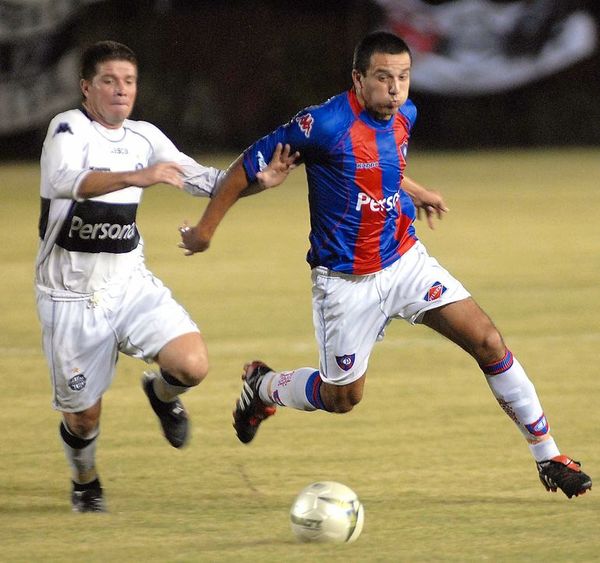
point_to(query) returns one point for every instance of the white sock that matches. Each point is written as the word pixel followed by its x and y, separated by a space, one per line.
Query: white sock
pixel 544 450
pixel 298 389
pixel 517 396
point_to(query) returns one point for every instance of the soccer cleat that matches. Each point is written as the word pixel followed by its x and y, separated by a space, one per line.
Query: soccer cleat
pixel 250 411
pixel 561 472
pixel 88 500
pixel 172 415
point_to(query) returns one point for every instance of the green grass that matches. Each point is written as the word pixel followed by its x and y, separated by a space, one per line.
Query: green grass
pixel 443 474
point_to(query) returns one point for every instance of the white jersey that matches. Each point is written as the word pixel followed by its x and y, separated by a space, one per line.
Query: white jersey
pixel 87 245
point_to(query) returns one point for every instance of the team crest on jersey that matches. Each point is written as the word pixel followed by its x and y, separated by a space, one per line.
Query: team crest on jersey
pixel 539 427
pixel 404 149
pixel 435 291
pixel 77 382
pixel 305 122
pixel 346 361
pixel 63 127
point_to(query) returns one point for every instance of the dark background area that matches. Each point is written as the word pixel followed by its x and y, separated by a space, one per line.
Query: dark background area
pixel 215 75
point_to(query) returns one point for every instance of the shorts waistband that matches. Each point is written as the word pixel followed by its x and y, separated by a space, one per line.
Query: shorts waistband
pixel 324 271
pixel 62 295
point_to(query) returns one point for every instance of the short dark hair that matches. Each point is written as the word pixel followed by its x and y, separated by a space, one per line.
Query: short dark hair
pixel 377 42
pixel 101 52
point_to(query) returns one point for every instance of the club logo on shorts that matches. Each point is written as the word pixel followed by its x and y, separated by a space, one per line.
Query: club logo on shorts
pixel 435 291
pixel 539 427
pixel 346 361
pixel 77 382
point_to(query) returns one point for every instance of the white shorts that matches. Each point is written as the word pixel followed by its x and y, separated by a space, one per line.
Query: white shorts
pixel 82 336
pixel 350 312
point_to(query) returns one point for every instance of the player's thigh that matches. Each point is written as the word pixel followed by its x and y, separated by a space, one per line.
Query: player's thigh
pixel 467 325
pixel 81 351
pixel 347 318
pixel 417 284
pixel 149 319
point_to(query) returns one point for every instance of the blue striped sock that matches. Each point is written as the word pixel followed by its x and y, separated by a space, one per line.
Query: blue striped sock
pixel 313 391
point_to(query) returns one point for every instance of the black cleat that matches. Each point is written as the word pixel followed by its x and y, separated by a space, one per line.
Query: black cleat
pixel 561 472
pixel 172 415
pixel 88 500
pixel 250 411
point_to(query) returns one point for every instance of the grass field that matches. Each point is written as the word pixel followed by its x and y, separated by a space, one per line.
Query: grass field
pixel 443 474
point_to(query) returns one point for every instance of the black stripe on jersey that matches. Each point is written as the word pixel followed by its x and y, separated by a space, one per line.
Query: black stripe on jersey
pixel 44 212
pixel 99 226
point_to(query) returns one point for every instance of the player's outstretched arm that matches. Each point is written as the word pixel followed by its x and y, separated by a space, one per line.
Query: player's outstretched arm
pixel 197 239
pixel 428 201
pixel 232 187
pixel 99 182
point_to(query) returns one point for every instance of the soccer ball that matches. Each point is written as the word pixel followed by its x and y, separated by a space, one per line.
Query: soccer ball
pixel 327 512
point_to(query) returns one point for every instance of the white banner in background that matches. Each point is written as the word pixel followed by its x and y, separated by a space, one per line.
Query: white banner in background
pixel 472 47
pixel 30 102
pixel 39 67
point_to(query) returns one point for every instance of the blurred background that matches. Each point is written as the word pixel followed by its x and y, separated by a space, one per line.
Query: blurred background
pixel 216 74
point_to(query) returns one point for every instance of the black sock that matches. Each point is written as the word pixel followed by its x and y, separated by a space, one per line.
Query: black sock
pixel 93 485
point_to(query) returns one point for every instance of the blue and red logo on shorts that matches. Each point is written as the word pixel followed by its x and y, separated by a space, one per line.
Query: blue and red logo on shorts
pixel 539 427
pixel 346 361
pixel 435 291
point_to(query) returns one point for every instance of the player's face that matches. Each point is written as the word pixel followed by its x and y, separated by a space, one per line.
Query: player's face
pixel 384 87
pixel 110 95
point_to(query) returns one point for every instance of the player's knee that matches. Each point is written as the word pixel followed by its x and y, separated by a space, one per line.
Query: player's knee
pixel 192 370
pixel 186 360
pixel 83 424
pixel 491 346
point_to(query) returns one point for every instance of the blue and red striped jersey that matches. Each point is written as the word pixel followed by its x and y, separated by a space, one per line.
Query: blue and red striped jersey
pixel 361 219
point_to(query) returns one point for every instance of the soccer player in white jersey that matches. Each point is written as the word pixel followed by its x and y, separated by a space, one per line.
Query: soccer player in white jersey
pixel 368 266
pixel 95 297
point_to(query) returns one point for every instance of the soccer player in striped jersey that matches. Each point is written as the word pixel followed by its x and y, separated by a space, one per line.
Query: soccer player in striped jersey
pixel 368 266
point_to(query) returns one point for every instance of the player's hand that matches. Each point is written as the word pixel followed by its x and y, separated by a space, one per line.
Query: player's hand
pixel 281 164
pixel 160 173
pixel 191 240
pixel 431 204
